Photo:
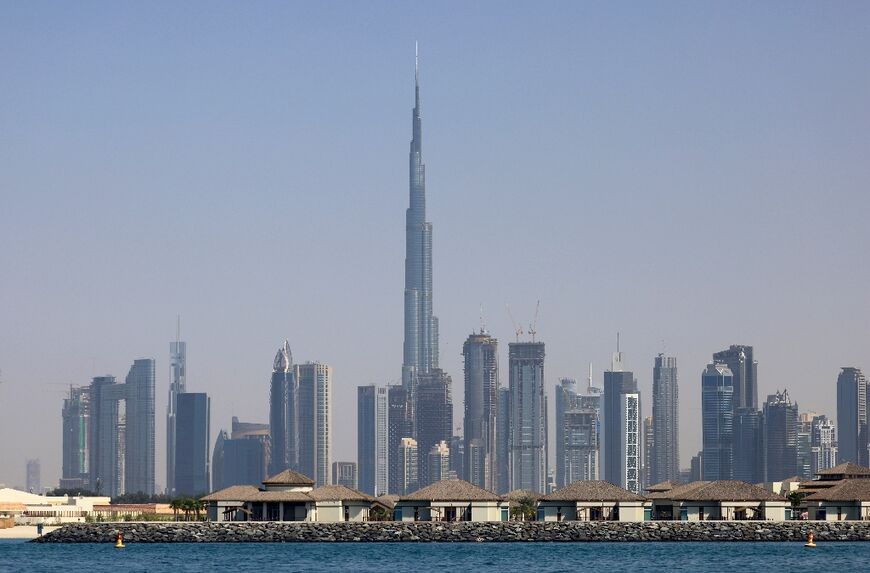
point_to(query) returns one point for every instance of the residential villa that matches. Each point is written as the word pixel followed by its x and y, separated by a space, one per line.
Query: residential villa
pixel 593 500
pixel 288 496
pixel 727 500
pixel 840 493
pixel 451 500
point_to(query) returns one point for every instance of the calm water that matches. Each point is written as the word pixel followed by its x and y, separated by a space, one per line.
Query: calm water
pixel 462 557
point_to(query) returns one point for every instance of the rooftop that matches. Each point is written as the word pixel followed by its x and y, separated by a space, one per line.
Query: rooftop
pixel 722 490
pixel 846 469
pixel 597 490
pixel 289 477
pixel 338 493
pixel 845 490
pixel 451 490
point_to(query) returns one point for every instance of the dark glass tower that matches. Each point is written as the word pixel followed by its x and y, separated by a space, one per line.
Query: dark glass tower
pixel 528 416
pixel 480 352
pixel 420 353
pixel 434 419
pixel 780 436
pixel 852 416
pixel 191 444
pixel 717 423
pixel 744 369
pixel 665 454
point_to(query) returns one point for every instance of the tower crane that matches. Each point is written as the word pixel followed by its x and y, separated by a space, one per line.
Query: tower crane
pixel 534 325
pixel 518 331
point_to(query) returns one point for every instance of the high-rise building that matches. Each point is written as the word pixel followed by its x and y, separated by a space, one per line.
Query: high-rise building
pixel 177 385
pixel 780 436
pixel 577 433
pixel 140 414
pixel 621 421
pixel 400 424
pixel 434 413
pixel 502 442
pixel 805 445
pixel 34 477
pixel 242 459
pixel 76 424
pixel 407 457
pixel 457 457
pixel 717 422
pixel 373 439
pixel 344 473
pixel 824 447
pixel 748 445
pixel 665 453
pixel 283 412
pixel 439 462
pixel 528 416
pixel 104 437
pixel 192 421
pixel 420 351
pixel 314 421
pixel 852 416
pixel 744 369
pixel 480 353
pixel 696 467
pixel 649 443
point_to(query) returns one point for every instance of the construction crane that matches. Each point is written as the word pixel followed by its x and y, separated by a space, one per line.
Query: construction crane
pixel 518 331
pixel 534 324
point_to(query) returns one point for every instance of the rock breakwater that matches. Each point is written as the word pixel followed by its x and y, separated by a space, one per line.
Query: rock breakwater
pixel 205 532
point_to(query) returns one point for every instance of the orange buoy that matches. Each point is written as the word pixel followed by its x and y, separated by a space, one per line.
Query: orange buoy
pixel 119 541
pixel 809 542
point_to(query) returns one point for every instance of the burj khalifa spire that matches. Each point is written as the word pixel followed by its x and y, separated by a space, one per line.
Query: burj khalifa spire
pixel 420 354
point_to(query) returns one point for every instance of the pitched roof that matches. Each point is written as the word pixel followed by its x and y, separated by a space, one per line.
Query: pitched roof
pixel 722 490
pixel 338 493
pixel 845 469
pixel 666 485
pixel 845 490
pixel 232 493
pixel 289 477
pixel 518 494
pixel 677 490
pixel 592 490
pixel 451 490
pixel 387 500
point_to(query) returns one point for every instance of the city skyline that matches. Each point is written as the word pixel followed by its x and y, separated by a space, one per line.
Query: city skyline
pixel 71 213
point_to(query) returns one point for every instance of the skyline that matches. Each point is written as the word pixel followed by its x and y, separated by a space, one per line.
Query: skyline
pixel 793 154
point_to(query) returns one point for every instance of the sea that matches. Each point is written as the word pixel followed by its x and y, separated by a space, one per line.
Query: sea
pixel 707 557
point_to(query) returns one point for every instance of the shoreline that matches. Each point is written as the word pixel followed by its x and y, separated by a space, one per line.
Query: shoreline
pixel 438 532
pixel 25 531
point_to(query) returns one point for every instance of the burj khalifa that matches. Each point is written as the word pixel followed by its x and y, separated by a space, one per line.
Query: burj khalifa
pixel 420 354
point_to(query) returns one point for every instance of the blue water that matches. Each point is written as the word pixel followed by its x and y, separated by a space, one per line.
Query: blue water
pixel 462 557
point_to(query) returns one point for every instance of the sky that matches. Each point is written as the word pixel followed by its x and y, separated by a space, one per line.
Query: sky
pixel 688 174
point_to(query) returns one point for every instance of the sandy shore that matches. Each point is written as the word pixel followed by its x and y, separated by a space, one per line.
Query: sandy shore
pixel 24 531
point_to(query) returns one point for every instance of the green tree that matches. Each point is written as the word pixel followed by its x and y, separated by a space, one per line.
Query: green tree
pixel 525 509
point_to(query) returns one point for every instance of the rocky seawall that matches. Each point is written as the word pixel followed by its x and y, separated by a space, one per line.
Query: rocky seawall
pixel 151 532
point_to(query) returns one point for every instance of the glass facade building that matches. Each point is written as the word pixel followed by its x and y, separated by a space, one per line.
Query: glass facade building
pixel 717 422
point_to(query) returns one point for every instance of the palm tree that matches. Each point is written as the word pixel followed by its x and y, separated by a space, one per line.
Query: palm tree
pixel 175 505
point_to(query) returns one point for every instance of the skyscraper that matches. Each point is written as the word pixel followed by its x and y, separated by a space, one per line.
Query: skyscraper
pixel 406 457
pixel 434 412
pixel 717 422
pixel 744 370
pixel 420 352
pixel 283 412
pixel 76 425
pixel 314 421
pixel 824 449
pixel 345 473
pixel 528 416
pixel 439 462
pixel 372 439
pixel 104 437
pixel 192 468
pixel 852 416
pixel 805 445
pixel 665 454
pixel 177 385
pixel 577 433
pixel 242 459
pixel 502 442
pixel 139 441
pixel 649 442
pixel 748 445
pixel 621 420
pixel 480 353
pixel 34 477
pixel 780 436
pixel 399 426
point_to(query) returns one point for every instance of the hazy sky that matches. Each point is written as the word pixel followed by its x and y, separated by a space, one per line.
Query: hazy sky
pixel 692 175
